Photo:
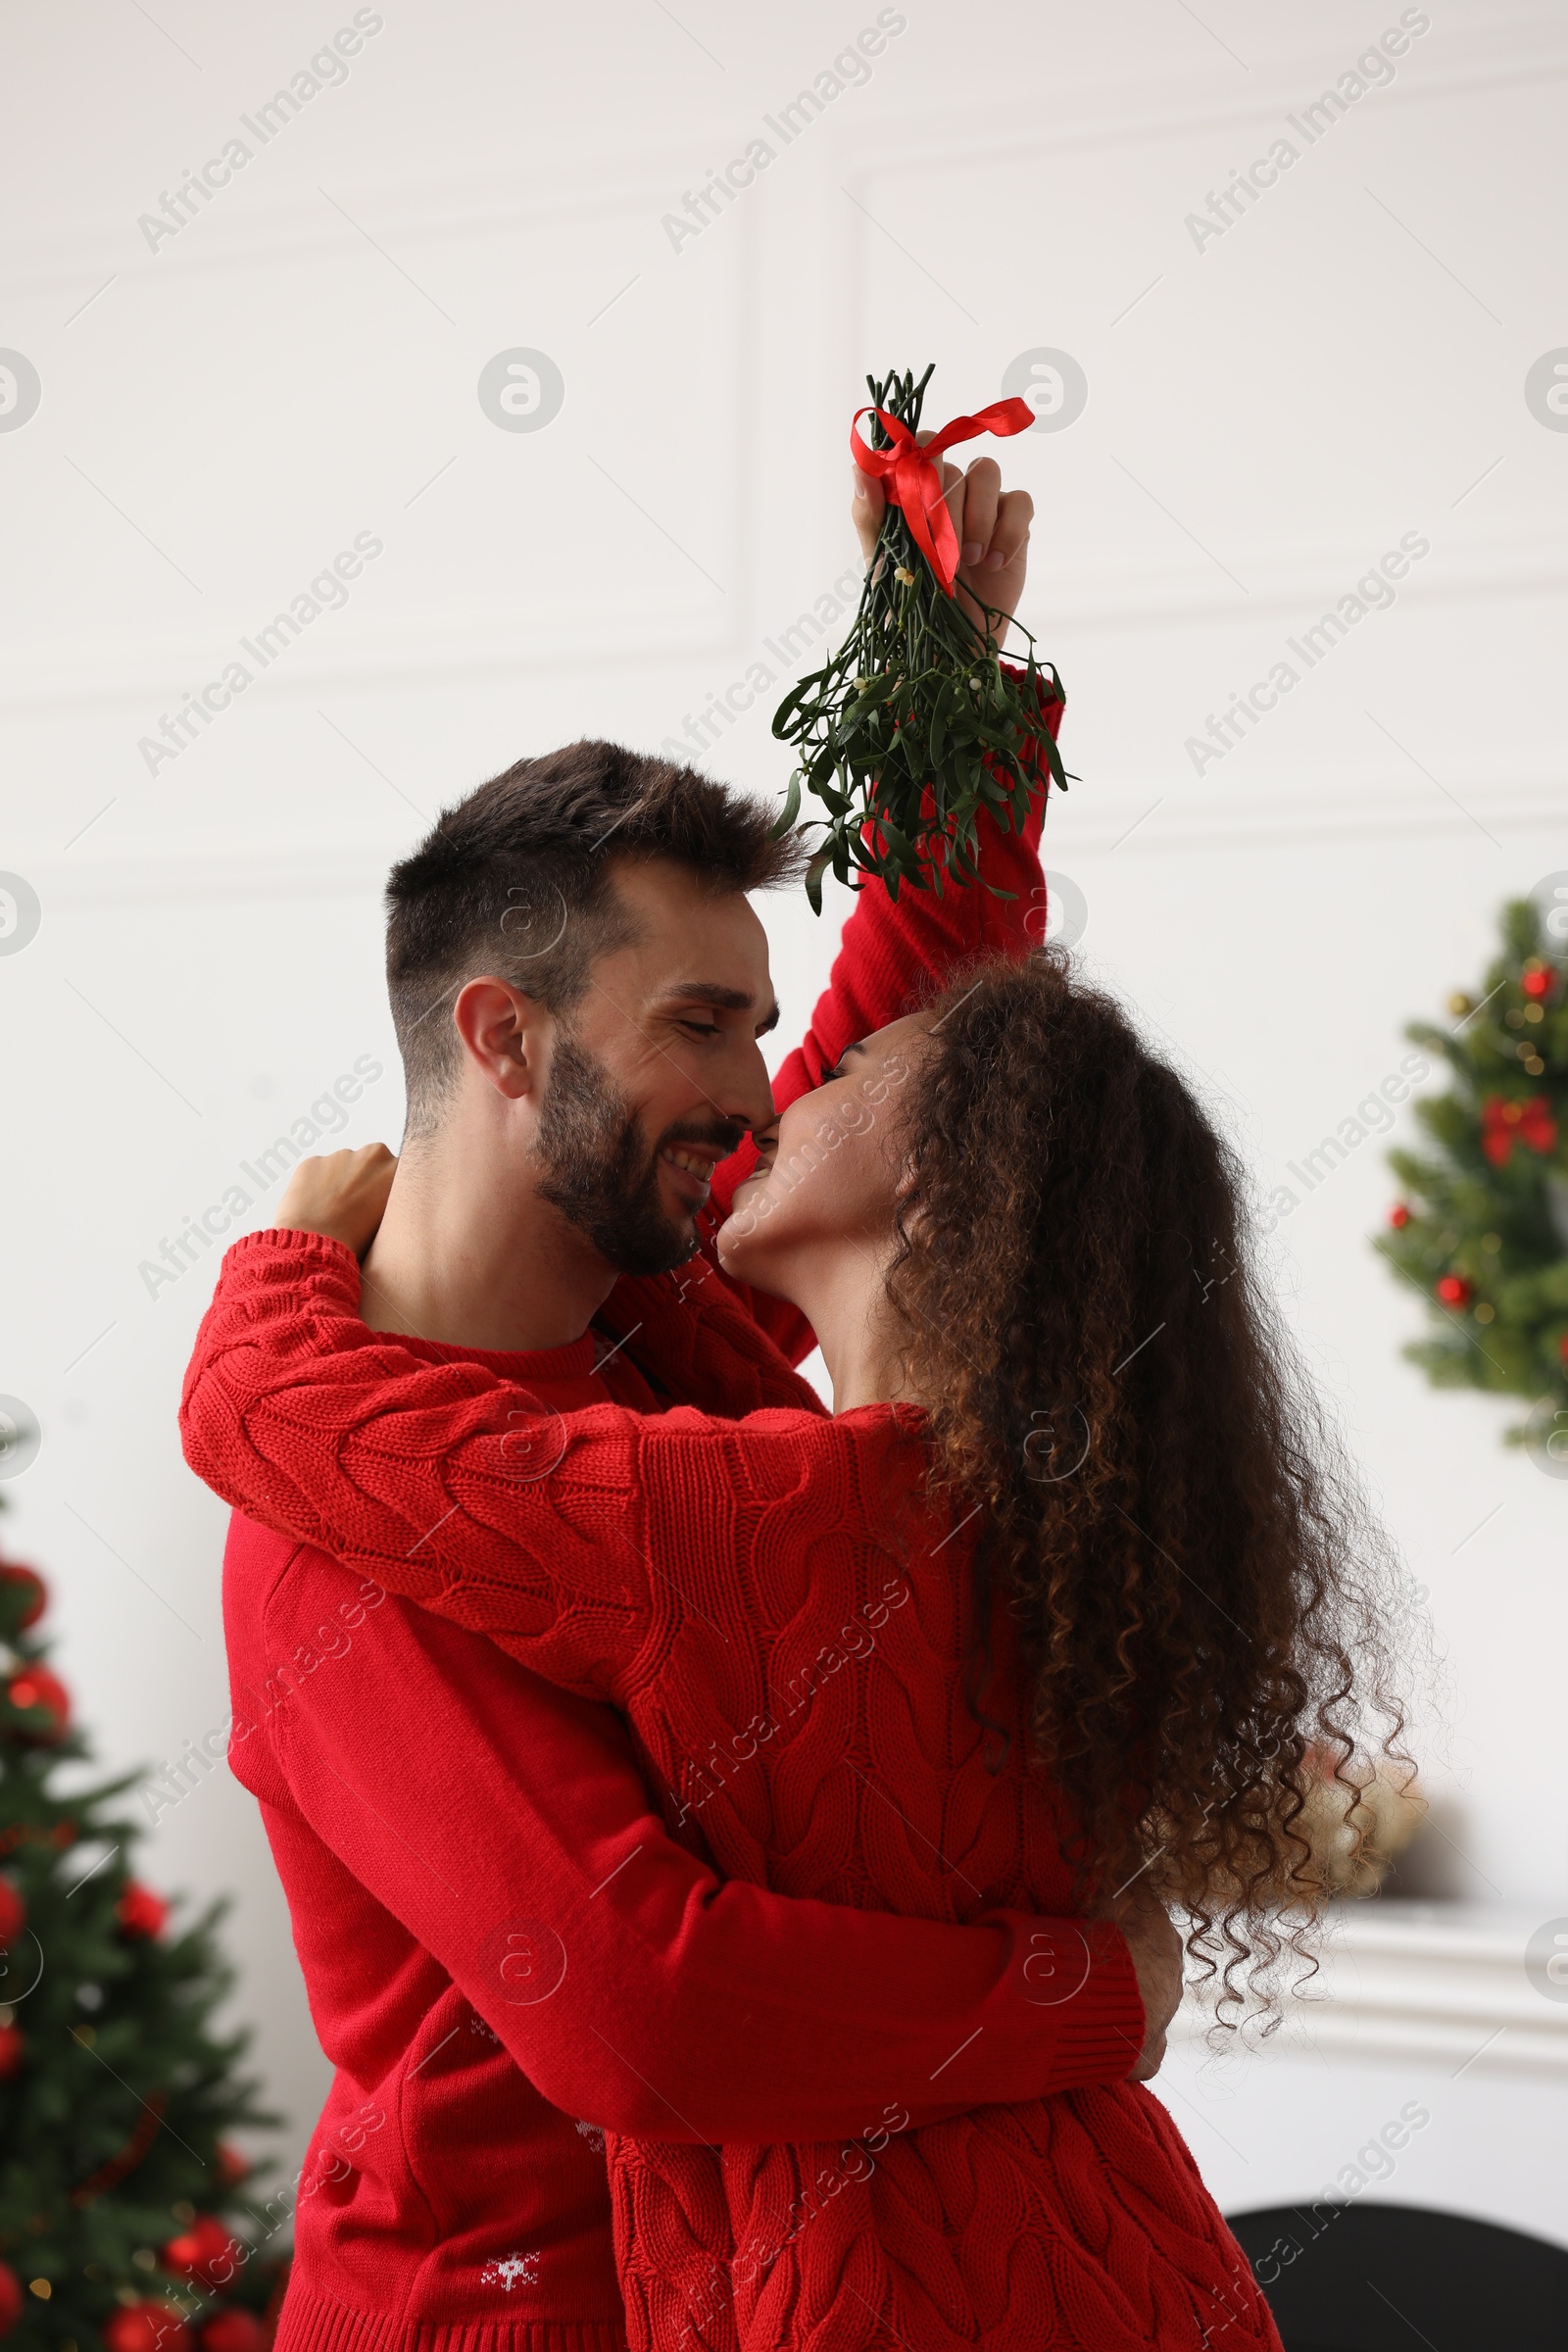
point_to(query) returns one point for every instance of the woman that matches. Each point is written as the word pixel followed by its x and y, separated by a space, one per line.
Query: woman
pixel 1055 1598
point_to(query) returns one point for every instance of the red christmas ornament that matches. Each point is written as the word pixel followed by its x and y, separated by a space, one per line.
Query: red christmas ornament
pixel 1562 1347
pixel 13 2049
pixel 232 2168
pixel 1505 1123
pixel 140 1912
pixel 35 1687
pixel 1536 983
pixel 1399 1216
pixel 205 2253
pixel 1453 1289
pixel 146 2327
pixel 234 2331
pixel 13 1913
pixel 10 2298
pixel 13 1573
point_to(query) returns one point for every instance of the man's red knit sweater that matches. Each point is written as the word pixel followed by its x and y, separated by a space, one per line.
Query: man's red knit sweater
pixel 431 1804
pixel 779 1610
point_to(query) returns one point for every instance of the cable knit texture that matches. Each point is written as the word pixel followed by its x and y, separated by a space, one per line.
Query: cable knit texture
pixel 778 1610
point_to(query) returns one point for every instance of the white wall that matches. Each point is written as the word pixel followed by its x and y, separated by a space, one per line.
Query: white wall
pixel 1267 412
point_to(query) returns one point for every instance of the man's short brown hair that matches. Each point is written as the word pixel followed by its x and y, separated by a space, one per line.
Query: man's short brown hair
pixel 518 880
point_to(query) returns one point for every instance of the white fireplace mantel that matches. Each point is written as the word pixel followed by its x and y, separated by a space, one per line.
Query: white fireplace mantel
pixel 1421 2066
pixel 1444 1981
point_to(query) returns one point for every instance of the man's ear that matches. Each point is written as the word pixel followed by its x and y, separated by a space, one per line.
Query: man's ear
pixel 505 1034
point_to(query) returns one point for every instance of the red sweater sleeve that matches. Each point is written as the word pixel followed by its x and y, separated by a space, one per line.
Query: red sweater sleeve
pixel 557 1537
pixel 889 952
pixel 514 1828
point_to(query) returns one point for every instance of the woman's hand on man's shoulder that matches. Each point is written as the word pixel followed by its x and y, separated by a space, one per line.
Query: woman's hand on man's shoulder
pixel 342 1196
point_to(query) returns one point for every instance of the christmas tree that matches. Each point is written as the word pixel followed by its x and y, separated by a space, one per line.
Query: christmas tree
pixel 124 2226
pixel 1483 1227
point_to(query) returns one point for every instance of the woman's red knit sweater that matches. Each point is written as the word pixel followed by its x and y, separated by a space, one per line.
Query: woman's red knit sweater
pixel 778 1610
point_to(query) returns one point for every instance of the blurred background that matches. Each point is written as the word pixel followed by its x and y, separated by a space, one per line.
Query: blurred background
pixel 511 306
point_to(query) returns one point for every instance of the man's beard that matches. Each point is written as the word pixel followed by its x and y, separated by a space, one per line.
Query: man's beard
pixel 601 1173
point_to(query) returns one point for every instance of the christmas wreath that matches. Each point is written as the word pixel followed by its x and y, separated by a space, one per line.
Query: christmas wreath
pixel 1482 1229
pixel 913 726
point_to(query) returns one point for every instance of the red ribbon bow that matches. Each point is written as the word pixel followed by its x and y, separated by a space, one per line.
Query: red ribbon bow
pixel 912 479
pixel 1505 1123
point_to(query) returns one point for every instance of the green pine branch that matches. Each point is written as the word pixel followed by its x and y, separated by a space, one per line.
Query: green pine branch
pixel 1498 1229
pixel 121 2088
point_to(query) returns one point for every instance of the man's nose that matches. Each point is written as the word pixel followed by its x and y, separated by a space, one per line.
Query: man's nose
pixel 749 1098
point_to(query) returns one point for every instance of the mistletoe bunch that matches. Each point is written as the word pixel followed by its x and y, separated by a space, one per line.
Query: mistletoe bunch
pixel 914 727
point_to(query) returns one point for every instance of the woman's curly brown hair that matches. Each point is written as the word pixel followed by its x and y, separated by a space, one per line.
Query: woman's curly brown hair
pixel 1198 1586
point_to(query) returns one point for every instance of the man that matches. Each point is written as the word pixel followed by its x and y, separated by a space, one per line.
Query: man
pixel 510 1943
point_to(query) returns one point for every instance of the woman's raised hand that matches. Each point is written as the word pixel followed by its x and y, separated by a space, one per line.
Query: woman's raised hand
pixel 991 524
